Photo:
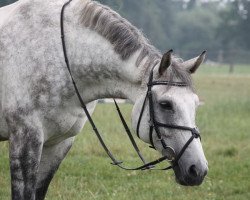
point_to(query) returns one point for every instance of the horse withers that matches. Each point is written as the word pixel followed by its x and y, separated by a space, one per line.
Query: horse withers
pixel 109 58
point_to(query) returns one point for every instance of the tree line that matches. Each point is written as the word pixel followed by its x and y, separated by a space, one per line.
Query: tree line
pixel 188 27
pixel 220 27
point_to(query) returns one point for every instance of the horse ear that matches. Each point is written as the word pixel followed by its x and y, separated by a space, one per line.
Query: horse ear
pixel 165 62
pixel 193 64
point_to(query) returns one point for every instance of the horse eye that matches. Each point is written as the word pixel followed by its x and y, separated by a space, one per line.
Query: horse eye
pixel 166 105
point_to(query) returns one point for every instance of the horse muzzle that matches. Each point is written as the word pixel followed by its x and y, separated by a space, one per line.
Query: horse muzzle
pixel 191 176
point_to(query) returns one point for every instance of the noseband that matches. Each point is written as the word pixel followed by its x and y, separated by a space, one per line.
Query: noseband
pixel 154 124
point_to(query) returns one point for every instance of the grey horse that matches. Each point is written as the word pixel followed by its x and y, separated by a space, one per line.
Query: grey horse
pixel 40 114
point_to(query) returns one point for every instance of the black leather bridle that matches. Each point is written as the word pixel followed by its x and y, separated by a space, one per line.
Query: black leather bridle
pixel 154 124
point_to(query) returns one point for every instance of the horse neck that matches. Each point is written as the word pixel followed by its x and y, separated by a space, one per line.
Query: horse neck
pixel 100 72
pixel 106 76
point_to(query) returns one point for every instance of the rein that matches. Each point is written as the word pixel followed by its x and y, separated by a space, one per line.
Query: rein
pixel 154 125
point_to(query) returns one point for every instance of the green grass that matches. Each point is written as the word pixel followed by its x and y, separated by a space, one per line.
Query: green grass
pixel 224 121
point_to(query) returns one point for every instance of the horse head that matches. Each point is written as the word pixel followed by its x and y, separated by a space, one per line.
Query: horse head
pixel 165 117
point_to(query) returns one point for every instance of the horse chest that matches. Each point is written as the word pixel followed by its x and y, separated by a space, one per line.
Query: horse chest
pixel 64 124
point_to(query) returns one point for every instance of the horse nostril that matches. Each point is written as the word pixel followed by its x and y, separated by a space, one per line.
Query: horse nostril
pixel 193 171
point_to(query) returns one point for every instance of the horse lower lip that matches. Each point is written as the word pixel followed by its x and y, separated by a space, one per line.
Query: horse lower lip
pixel 189 181
pixel 194 182
pixel 185 180
pixel 185 183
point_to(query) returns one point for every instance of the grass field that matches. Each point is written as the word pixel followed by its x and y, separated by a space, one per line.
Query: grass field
pixel 224 121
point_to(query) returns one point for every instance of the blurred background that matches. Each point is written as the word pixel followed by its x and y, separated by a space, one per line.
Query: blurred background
pixel 222 27
pixel 222 83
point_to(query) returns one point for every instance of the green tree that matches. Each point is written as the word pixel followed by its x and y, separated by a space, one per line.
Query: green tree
pixel 233 31
pixel 194 30
pixel 154 18
pixel 244 25
pixel 188 26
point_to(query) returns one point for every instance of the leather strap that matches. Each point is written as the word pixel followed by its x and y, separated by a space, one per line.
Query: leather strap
pixel 131 138
pixel 114 160
pixel 154 125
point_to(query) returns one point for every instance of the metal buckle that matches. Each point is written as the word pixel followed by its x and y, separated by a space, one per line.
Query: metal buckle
pixel 196 132
pixel 151 123
pixel 159 138
pixel 169 152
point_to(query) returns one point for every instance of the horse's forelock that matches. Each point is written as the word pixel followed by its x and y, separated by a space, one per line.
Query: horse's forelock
pixel 178 72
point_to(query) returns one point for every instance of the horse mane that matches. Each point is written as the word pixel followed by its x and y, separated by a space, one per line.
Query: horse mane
pixel 125 37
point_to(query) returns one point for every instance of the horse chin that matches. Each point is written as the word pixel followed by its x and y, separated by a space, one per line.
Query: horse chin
pixel 183 179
